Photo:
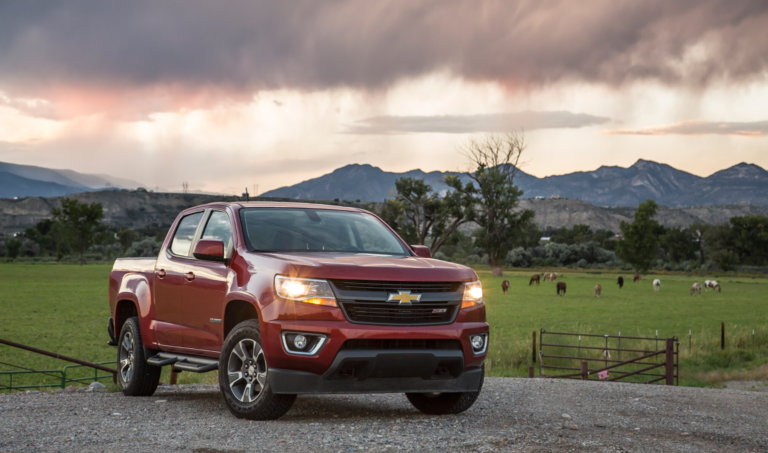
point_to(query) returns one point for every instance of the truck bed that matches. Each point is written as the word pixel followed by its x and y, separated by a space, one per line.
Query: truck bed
pixel 134 265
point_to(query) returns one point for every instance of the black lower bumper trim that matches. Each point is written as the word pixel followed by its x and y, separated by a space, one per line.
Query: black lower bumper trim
pixel 383 371
pixel 300 382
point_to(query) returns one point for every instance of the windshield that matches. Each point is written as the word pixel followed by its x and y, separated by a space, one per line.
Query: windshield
pixel 316 230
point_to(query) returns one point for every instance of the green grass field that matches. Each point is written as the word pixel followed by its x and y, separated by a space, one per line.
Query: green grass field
pixel 63 308
pixel 635 310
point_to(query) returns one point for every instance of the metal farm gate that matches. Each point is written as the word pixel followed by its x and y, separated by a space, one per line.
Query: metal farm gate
pixel 608 358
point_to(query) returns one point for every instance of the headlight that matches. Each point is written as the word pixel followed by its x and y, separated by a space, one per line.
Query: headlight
pixel 473 294
pixel 317 292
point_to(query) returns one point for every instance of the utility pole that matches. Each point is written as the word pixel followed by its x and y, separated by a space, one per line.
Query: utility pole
pixel 247 195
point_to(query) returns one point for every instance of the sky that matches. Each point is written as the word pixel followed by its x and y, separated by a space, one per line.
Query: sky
pixel 230 94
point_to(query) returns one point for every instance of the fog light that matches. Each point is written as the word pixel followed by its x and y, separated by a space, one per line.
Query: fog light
pixel 300 341
pixel 479 343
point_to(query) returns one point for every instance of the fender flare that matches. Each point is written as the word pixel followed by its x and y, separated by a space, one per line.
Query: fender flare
pixel 136 289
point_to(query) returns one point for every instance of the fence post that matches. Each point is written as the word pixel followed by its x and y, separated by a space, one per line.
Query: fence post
pixel 174 373
pixel 670 362
pixel 534 346
pixel 584 371
pixel 530 371
pixel 722 335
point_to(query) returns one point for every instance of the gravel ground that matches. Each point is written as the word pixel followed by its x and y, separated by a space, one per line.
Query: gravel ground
pixel 530 415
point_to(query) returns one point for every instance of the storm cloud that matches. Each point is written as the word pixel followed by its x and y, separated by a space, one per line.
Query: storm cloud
pixel 146 56
pixel 460 124
pixel 743 129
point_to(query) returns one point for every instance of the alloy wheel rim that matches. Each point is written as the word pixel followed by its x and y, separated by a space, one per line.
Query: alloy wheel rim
pixel 126 357
pixel 247 371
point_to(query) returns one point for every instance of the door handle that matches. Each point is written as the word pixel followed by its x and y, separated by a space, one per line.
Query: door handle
pixel 190 276
pixel 161 273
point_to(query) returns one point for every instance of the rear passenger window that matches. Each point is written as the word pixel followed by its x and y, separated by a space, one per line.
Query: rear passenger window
pixel 185 233
pixel 218 227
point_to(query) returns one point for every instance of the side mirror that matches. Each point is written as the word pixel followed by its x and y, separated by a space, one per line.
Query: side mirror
pixel 209 250
pixel 422 251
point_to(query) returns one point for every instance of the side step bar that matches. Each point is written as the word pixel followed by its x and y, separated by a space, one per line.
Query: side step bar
pixel 183 362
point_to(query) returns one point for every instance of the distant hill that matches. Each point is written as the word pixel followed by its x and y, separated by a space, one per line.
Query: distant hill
pixel 137 209
pixel 606 186
pixel 32 181
pixel 355 182
pixel 12 186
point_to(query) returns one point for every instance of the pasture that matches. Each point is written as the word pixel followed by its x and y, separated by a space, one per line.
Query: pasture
pixel 63 308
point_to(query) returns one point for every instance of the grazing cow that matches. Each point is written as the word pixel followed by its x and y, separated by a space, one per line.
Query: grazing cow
pixel 547 276
pixel 696 288
pixel 656 285
pixel 598 290
pixel 620 281
pixel 561 287
pixel 554 277
pixel 505 286
pixel 712 284
pixel 638 277
pixel 534 279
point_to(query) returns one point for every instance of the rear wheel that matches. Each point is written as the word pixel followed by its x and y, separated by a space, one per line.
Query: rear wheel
pixel 135 376
pixel 445 403
pixel 243 376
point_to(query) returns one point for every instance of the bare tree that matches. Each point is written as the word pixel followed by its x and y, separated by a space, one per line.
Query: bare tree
pixel 493 163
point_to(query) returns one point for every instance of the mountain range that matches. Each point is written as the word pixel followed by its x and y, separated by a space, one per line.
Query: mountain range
pixel 606 186
pixel 31 181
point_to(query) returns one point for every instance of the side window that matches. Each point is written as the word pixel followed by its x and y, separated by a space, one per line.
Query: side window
pixel 218 227
pixel 185 233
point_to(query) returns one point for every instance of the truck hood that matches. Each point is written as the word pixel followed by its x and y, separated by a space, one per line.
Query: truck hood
pixel 364 266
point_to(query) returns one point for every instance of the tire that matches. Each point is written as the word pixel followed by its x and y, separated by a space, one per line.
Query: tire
pixel 445 403
pixel 135 376
pixel 243 376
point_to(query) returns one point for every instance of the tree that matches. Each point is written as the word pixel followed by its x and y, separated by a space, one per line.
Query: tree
pixel 698 230
pixel 430 215
pixel 393 213
pixel 420 207
pixel 126 238
pixel 75 224
pixel 12 248
pixel 750 239
pixel 725 259
pixel 41 234
pixel 680 244
pixel 640 242
pixel 495 197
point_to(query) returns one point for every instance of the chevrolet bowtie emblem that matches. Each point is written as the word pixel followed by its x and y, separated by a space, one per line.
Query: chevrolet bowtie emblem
pixel 404 297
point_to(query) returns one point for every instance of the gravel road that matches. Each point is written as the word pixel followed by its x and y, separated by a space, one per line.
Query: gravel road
pixel 530 415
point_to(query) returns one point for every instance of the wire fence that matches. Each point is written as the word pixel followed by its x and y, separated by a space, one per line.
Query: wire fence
pixel 29 379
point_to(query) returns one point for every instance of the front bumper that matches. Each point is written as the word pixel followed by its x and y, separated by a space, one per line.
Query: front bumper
pixel 383 371
pixel 338 332
pixel 335 369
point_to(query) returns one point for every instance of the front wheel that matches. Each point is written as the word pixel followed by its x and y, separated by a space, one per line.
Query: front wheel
pixel 243 376
pixel 445 403
pixel 135 376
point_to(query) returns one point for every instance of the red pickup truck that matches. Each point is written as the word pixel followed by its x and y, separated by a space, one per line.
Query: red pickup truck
pixel 286 298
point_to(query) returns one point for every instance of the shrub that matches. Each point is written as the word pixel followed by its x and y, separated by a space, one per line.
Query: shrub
pixel 147 247
pixel 520 257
